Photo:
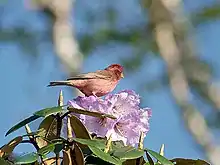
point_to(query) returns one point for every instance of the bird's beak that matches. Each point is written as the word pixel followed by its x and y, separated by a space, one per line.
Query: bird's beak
pixel 122 75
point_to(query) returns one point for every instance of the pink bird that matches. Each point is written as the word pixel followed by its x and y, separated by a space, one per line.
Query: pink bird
pixel 97 83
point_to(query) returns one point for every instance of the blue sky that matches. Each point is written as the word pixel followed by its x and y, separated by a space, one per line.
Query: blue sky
pixel 23 79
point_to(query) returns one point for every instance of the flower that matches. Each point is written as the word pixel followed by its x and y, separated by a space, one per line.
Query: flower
pixel 94 125
pixel 123 102
pixel 131 119
pixel 130 127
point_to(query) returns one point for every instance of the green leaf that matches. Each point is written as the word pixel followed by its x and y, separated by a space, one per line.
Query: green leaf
pixel 8 148
pixel 89 113
pixel 36 133
pixel 117 144
pixel 98 143
pixel 49 111
pixel 79 158
pixel 79 129
pixel 67 156
pixel 150 160
pixel 4 162
pixel 105 156
pixel 54 147
pixel 130 162
pixel 160 158
pixel 128 152
pixel 93 158
pixel 22 123
pixel 138 161
pixel 49 127
pixel 181 161
pixel 209 13
pixel 27 158
pixel 50 161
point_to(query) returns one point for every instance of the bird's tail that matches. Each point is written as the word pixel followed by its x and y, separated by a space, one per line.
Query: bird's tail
pixel 58 83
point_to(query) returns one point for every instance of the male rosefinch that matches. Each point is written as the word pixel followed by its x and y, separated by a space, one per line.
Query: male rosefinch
pixel 97 83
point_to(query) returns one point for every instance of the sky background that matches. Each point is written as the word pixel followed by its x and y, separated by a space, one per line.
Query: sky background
pixel 24 78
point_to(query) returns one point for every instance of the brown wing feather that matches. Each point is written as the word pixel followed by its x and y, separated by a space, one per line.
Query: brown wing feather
pixel 99 74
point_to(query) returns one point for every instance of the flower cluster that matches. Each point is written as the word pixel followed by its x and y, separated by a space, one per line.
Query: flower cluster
pixel 131 119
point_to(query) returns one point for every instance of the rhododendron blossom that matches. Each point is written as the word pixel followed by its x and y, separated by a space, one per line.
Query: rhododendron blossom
pixel 131 119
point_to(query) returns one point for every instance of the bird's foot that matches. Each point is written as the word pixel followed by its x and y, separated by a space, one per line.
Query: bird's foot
pixel 98 98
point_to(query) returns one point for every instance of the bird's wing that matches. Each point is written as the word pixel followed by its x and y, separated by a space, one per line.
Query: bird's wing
pixel 99 74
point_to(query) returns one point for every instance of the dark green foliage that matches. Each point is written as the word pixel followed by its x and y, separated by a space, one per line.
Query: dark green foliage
pixel 27 158
pixel 160 158
pixel 79 150
pixel 22 123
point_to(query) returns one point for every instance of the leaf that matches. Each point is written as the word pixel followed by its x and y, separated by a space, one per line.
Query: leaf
pixel 105 156
pixel 67 160
pixel 4 162
pixel 79 129
pixel 36 133
pixel 49 111
pixel 138 161
pixel 22 123
pixel 130 162
pixel 8 148
pixel 150 160
pixel 209 13
pixel 128 152
pixel 160 158
pixel 181 161
pixel 79 158
pixel 27 158
pixel 54 147
pixel 93 158
pixel 117 144
pixel 98 143
pixel 49 127
pixel 50 161
pixel 89 113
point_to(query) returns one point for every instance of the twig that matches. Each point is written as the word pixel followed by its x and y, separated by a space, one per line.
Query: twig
pixel 69 129
pixel 141 141
pixel 32 140
pixel 108 144
pixel 162 150
pixel 59 124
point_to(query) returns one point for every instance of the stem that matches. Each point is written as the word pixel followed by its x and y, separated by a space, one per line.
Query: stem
pixel 69 129
pixel 108 144
pixel 65 114
pixel 141 141
pixel 32 140
pixel 162 150
pixel 59 124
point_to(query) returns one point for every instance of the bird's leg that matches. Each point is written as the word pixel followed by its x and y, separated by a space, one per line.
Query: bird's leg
pixel 93 93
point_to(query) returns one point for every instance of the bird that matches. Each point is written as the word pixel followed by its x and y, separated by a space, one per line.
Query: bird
pixel 98 83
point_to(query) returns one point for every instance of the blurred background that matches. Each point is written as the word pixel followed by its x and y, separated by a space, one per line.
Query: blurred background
pixel 169 49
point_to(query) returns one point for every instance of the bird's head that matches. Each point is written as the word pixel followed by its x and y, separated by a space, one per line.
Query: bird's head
pixel 117 69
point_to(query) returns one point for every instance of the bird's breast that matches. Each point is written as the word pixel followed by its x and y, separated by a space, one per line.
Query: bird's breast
pixel 99 87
